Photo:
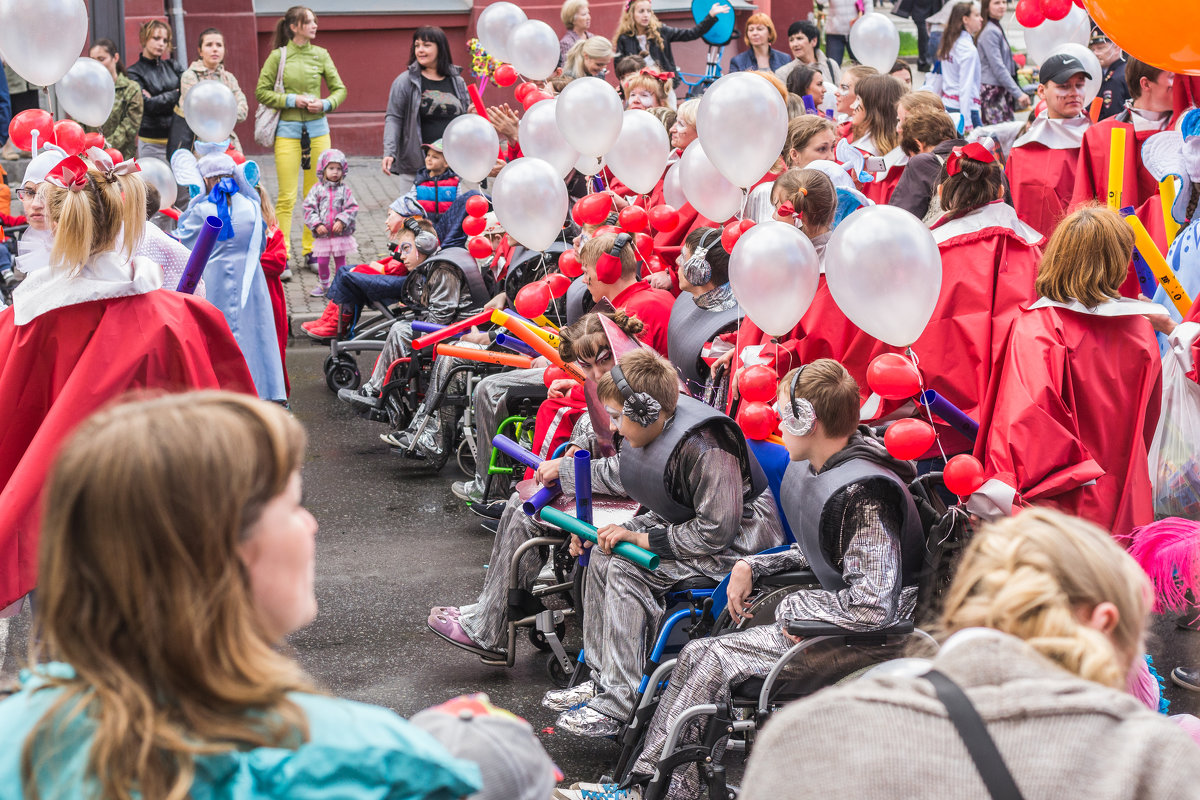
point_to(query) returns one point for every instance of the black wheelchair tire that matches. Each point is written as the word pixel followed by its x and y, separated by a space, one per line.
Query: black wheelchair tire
pixel 341 373
pixel 538 639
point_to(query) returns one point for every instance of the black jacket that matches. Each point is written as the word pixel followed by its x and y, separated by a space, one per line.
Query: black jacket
pixel 161 79
pixel 919 181
pixel 627 43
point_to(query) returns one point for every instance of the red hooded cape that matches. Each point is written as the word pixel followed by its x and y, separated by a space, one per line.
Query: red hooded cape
pixel 67 363
pixel 1042 180
pixel 1070 414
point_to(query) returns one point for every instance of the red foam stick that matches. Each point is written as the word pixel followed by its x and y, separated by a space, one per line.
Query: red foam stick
pixel 482 318
pixel 477 99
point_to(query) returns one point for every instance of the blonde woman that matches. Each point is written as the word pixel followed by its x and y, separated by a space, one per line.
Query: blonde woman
pixel 156 670
pixel 577 19
pixel 640 33
pixel 1040 628
pixel 589 57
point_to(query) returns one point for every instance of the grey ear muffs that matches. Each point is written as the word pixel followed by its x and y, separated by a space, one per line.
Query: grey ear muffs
pixel 426 243
pixel 798 416
pixel 696 269
pixel 638 406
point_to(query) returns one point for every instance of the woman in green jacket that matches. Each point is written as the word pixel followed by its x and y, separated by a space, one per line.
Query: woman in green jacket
pixel 121 129
pixel 303 131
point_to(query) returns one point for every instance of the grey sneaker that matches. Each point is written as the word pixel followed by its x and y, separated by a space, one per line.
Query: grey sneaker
pixel 567 699
pixel 286 275
pixel 586 721
pixel 360 398
pixel 467 491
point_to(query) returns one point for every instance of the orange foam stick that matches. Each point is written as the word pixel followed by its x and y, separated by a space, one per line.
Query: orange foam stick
pixel 1094 110
pixel 530 337
pixel 485 356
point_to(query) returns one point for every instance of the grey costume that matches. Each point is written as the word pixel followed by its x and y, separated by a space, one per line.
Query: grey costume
pixel 874 597
pixel 624 604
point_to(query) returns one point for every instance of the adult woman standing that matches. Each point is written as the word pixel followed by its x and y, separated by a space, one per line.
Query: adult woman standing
pixel 422 101
pixel 303 131
pixel 121 129
pixel 159 78
pixel 1000 93
pixel 171 684
pixel 209 67
pixel 961 80
pixel 759 55
pixel 577 19
pixel 842 14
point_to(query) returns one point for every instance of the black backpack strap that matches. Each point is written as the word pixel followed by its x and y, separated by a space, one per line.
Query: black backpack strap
pixel 996 777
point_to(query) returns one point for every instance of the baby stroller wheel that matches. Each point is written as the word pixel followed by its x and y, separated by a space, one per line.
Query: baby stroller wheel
pixel 538 639
pixel 466 458
pixel 341 372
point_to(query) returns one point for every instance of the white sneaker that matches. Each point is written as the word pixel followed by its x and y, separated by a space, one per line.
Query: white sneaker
pixel 565 699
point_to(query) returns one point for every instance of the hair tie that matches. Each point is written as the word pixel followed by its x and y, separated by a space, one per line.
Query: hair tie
pixel 803 191
pixel 974 151
pixel 70 173
pixel 661 76
pixel 104 164
pixel 786 209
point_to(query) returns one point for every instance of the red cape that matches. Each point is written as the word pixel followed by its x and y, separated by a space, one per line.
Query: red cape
pixel 1042 181
pixel 880 190
pixel 67 363
pixel 653 308
pixel 1075 399
pixel 274 262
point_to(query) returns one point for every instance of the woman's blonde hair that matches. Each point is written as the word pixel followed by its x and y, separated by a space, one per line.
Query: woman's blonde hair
pixel 147 30
pixel 627 27
pixel 914 102
pixel 268 208
pixel 802 129
pixel 1034 575
pixel 595 47
pixel 644 80
pixel 879 95
pixel 142 591
pixel 569 10
pixel 1087 258
pixel 90 220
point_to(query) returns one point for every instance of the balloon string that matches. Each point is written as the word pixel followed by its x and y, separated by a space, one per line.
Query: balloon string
pixel 921 383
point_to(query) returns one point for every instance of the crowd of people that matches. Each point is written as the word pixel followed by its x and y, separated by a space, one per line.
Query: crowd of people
pixel 156 666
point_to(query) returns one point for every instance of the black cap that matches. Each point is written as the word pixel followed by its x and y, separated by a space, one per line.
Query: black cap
pixel 1060 67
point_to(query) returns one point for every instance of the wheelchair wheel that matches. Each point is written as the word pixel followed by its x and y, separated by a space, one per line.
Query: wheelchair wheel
pixel 465 458
pixel 554 671
pixel 398 412
pixel 341 372
pixel 538 639
pixel 762 607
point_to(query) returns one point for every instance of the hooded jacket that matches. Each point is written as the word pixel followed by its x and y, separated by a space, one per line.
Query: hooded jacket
pixel 326 202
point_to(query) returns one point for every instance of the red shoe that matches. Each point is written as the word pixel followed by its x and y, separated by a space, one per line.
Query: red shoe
pixel 324 327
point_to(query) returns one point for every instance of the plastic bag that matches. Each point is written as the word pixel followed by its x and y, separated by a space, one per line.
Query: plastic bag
pixel 1175 450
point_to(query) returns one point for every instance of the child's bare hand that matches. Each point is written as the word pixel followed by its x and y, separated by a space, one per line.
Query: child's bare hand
pixel 547 473
pixel 577 546
pixel 338 227
pixel 476 336
pixel 660 280
pixel 321 230
pixel 559 388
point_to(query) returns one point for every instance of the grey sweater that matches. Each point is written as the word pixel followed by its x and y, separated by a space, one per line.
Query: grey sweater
pixel 997 67
pixel 1062 737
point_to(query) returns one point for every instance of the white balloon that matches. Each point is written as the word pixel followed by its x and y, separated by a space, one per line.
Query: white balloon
pixel 773 271
pixel 1091 86
pixel 590 165
pixel 471 146
pixel 885 273
pixel 495 24
pixel 640 154
pixel 87 92
pixel 875 41
pixel 531 202
pixel 210 110
pixel 540 137
pixel 41 39
pixel 743 124
pixel 705 187
pixel 534 49
pixel 1041 41
pixel 158 174
pixel 673 187
pixel 589 115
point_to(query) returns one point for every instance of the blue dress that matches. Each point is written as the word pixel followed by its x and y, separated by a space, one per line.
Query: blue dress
pixel 1184 258
pixel 355 751
pixel 235 283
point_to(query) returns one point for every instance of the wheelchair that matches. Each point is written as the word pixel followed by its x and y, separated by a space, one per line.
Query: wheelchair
pixel 340 367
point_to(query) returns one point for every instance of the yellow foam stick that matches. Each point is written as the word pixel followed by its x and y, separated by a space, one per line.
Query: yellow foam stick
pixel 1158 265
pixel 543 321
pixel 1166 193
pixel 503 318
pixel 1116 168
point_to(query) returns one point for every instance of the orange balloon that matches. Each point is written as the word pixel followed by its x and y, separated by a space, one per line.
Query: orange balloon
pixel 1164 36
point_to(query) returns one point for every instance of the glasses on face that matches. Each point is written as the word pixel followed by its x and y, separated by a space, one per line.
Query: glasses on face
pixel 26 194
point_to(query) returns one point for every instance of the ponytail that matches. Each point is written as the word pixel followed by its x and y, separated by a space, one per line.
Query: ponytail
pixel 75 224
pixel 90 220
pixel 293 16
pixel 976 184
pixel 815 200
pixel 133 211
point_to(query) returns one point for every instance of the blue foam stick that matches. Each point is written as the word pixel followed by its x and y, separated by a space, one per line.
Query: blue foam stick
pixel 513 343
pixel 201 250
pixel 950 413
pixel 583 493
pixel 540 499
pixel 515 451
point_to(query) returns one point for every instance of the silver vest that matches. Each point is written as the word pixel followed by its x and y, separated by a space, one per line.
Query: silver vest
pixel 692 327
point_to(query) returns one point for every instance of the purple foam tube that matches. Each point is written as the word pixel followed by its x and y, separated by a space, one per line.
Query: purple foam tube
pixel 516 345
pixel 430 327
pixel 540 499
pixel 583 493
pixel 201 250
pixel 949 413
pixel 515 451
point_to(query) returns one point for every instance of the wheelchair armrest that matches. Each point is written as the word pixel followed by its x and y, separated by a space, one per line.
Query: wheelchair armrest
pixel 796 577
pixel 808 628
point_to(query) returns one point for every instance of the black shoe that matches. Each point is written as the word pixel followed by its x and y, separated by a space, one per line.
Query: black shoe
pixel 361 399
pixel 921 67
pixel 1187 678
pixel 492 510
pixel 490 525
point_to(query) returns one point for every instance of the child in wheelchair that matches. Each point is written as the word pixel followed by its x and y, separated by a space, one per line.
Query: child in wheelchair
pixel 857 529
pixel 709 505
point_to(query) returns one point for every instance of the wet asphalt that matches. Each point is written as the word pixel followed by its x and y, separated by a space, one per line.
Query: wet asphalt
pixel 394 541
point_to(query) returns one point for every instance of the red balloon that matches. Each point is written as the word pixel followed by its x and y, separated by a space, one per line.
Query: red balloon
pixel 115 155
pixel 644 244
pixel 91 140
pixel 69 135
pixel 523 90
pixel 758 384
pixel 479 247
pixel 532 300
pixel 654 264
pixel 757 420
pixel 1029 13
pixel 664 218
pixel 236 155
pixel 634 219
pixel 893 376
pixel 568 264
pixel 21 129
pixel 505 75
pixel 907 439
pixel 730 235
pixel 963 474
pixel 1056 9
pixel 477 205
pixel 558 283
pixel 473 226
pixel 533 98
pixel 592 209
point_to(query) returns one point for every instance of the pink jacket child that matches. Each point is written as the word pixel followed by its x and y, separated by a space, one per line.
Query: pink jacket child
pixel 330 211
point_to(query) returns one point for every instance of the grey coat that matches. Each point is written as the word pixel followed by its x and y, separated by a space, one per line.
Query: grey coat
pixel 997 67
pixel 402 122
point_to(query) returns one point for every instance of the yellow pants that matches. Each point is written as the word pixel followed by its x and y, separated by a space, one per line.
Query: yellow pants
pixel 287 170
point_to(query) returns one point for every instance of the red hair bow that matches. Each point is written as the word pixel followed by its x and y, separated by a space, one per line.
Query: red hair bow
pixel 786 209
pixel 974 151
pixel 70 173
pixel 662 76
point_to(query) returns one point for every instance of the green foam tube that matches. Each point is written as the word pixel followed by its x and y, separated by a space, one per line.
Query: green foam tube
pixel 627 550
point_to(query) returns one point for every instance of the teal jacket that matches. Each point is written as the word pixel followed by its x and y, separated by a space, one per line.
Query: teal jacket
pixel 354 751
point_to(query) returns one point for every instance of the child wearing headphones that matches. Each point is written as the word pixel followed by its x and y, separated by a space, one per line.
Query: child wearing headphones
pixel 704 310
pixel 709 505
pixel 610 267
